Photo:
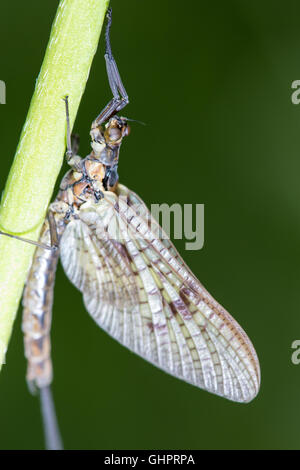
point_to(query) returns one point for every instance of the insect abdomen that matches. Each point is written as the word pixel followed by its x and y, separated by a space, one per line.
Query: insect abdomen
pixel 37 313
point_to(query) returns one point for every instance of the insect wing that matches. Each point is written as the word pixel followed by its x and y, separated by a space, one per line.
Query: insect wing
pixel 138 289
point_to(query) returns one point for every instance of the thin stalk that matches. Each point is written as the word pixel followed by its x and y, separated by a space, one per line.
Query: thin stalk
pixel 39 156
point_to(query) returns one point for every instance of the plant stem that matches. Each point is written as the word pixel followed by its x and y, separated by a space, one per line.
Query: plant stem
pixel 39 156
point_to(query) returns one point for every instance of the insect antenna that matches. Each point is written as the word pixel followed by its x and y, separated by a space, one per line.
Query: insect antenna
pixel 135 120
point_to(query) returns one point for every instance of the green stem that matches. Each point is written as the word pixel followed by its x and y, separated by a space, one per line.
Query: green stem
pixel 72 45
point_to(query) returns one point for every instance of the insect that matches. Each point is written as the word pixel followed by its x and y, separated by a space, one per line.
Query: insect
pixel 134 283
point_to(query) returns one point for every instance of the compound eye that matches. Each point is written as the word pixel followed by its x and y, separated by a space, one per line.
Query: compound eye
pixel 114 134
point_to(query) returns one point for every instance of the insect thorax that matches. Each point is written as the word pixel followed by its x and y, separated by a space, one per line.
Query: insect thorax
pixel 78 187
pixel 96 173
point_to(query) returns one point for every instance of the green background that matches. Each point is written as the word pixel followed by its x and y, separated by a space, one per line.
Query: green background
pixel 212 80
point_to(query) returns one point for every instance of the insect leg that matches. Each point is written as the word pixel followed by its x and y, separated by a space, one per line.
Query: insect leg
pixel 53 235
pixel 75 143
pixel 72 159
pixel 53 230
pixel 32 242
pixel 120 97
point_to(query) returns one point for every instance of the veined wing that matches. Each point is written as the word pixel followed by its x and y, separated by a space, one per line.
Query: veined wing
pixel 138 289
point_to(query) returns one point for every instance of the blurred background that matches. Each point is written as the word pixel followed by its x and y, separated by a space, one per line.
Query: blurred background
pixel 212 80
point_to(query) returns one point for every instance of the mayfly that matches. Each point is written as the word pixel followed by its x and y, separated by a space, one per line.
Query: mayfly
pixel 134 283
